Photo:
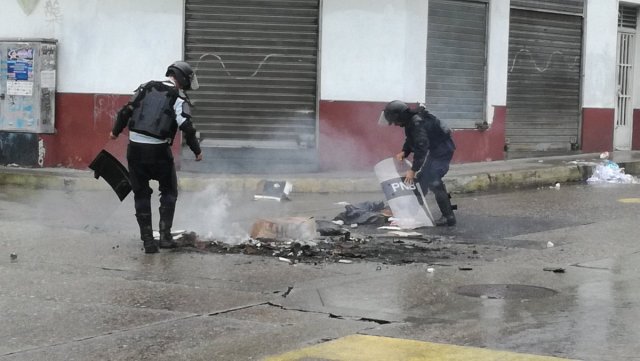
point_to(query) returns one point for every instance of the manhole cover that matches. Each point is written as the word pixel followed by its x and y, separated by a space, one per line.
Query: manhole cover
pixel 505 291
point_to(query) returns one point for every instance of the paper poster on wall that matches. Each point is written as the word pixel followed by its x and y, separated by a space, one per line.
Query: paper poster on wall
pixel 20 64
pixel 48 79
pixel 23 88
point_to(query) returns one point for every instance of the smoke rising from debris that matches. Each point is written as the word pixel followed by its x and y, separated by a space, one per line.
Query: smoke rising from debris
pixel 207 213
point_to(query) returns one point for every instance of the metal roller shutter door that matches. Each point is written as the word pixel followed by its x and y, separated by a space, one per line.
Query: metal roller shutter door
pixel 543 86
pixel 256 63
pixel 456 61
pixel 558 6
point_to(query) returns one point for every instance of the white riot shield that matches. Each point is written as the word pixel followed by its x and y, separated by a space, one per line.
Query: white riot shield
pixel 407 203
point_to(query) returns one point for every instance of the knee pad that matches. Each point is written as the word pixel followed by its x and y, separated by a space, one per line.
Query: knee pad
pixel 436 185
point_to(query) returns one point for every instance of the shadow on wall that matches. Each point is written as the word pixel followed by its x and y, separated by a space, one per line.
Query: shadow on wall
pixel 19 148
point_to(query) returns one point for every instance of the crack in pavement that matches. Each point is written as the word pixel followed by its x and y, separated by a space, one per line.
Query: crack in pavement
pixel 194 316
pixel 141 327
pixel 332 315
pixel 110 333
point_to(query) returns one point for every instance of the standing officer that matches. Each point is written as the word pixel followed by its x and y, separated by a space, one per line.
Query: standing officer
pixel 153 115
pixel 429 139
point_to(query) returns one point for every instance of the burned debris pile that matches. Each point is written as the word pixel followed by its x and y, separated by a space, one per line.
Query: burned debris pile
pixel 334 243
pixel 360 232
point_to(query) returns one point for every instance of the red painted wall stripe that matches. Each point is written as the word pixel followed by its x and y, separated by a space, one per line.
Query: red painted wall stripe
pixel 597 129
pixel 351 139
pixel 349 136
pixel 635 140
pixel 83 123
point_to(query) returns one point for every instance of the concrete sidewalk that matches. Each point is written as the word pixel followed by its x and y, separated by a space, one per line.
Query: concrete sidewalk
pixel 462 178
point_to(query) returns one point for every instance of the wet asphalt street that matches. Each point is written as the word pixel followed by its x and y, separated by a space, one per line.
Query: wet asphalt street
pixel 78 286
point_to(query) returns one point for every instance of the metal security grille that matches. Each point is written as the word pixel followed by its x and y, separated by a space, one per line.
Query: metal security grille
pixel 624 110
pixel 543 86
pixel 559 6
pixel 627 17
pixel 256 62
pixel 456 61
pixel 625 72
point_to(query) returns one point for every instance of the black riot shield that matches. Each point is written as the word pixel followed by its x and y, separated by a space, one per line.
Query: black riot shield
pixel 110 169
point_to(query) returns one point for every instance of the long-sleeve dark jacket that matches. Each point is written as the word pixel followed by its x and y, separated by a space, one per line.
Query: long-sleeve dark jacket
pixel 426 135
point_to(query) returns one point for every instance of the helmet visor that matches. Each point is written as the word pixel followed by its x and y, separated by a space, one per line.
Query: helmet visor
pixel 382 120
pixel 193 79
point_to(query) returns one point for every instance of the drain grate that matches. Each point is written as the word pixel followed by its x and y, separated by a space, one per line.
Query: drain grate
pixel 505 291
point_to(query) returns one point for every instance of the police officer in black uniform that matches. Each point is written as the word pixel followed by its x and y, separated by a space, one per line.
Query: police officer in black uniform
pixel 153 115
pixel 429 139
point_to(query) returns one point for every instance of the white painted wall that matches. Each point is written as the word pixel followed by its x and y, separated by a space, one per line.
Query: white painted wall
pixel 103 46
pixel 600 37
pixel 497 56
pixel 373 50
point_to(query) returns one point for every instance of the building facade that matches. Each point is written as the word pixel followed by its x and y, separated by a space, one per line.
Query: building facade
pixel 298 85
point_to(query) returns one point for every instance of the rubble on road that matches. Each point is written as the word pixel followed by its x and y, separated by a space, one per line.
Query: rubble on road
pixel 284 228
pixel 361 232
pixel 339 245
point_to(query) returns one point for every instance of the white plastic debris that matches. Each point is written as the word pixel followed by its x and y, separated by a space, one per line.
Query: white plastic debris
pixel 405 234
pixel 339 222
pixel 610 172
pixel 393 228
pixel 273 190
pixel 430 270
pixel 346 261
pixel 550 244
pixel 354 225
pixel 282 259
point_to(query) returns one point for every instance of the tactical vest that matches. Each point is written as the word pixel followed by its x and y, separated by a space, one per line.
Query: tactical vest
pixel 153 112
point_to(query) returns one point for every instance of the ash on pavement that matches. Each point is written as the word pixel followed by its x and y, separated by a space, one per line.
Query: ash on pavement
pixel 350 247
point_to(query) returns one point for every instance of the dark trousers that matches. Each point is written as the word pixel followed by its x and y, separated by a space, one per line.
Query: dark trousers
pixel 430 177
pixel 152 162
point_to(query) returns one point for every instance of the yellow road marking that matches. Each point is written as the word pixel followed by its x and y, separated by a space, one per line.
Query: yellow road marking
pixel 374 348
pixel 629 200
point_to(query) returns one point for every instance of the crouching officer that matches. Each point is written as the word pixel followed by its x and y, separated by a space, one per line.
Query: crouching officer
pixel 429 139
pixel 153 115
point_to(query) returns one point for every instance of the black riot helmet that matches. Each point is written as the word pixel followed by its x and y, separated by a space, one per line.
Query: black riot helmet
pixel 183 73
pixel 396 112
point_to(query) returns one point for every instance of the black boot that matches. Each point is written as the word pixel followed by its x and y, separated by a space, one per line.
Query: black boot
pixel 166 221
pixel 446 221
pixel 146 233
pixel 444 203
